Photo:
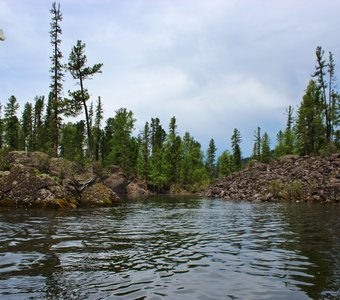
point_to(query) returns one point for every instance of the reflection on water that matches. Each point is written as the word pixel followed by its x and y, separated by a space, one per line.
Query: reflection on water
pixel 173 248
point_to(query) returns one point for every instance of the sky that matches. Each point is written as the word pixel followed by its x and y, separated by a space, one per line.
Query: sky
pixel 215 65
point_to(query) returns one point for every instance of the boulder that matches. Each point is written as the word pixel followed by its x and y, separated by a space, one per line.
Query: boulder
pixel 117 182
pixel 25 186
pixel 98 195
pixel 136 190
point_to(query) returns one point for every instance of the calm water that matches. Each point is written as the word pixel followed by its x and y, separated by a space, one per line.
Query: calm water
pixel 172 248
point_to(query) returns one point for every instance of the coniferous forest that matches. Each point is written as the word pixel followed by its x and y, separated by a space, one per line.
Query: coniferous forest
pixel 158 154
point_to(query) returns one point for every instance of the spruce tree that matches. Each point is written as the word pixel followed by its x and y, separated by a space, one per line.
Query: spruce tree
pixel 211 159
pixel 12 125
pixel 236 154
pixel 310 127
pixel 57 71
pixel 97 133
pixel 121 146
pixel 79 71
pixel 224 164
pixel 257 145
pixel 173 154
pixel 38 128
pixel 26 135
pixel 265 148
pixel 143 164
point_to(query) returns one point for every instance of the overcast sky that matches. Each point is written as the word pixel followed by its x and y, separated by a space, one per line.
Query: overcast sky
pixel 214 64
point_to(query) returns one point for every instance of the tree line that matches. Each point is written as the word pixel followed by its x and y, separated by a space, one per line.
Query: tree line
pixel 161 157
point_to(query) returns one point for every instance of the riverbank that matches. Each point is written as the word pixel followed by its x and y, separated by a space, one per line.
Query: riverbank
pixel 288 178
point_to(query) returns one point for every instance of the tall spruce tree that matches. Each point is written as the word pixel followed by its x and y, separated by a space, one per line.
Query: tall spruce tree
pixel 38 126
pixel 224 164
pixel 257 145
pixel 328 94
pixel 57 71
pixel 121 145
pixel 173 153
pixel 236 154
pixel 12 124
pixel 210 161
pixel 79 71
pixel 265 148
pixel 97 133
pixel 26 134
pixel 143 163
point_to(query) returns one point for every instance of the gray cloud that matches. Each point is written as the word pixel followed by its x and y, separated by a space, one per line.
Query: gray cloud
pixel 215 65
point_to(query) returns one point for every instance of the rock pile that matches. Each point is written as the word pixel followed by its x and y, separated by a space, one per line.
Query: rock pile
pixel 290 177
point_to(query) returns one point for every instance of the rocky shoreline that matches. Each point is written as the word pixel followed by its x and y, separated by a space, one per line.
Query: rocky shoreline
pixel 33 179
pixel 288 178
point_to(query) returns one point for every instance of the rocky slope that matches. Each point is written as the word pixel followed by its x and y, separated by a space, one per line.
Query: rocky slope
pixel 35 180
pixel 290 177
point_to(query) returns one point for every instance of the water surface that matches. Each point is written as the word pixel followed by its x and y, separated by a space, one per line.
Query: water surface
pixel 172 248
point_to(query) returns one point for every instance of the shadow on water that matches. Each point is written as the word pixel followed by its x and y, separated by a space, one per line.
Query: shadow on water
pixel 173 248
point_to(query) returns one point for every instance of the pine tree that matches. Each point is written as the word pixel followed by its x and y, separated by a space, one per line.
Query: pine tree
pixel 79 71
pixel 193 173
pixel 280 149
pixel 236 154
pixel 265 148
pixel 38 128
pixel 257 145
pixel 97 133
pixel 158 170
pixel 72 142
pixel 310 127
pixel 12 125
pixel 224 164
pixel 328 99
pixel 26 136
pixel 289 133
pixel 143 164
pixel 211 159
pixel 121 147
pixel 57 76
pixel 172 154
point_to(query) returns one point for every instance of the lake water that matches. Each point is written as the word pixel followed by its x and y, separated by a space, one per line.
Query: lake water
pixel 172 248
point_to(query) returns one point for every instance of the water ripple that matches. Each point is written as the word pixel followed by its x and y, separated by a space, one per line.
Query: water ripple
pixel 171 248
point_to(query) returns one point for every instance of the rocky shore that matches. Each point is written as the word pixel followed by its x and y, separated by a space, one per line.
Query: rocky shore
pixel 288 178
pixel 36 180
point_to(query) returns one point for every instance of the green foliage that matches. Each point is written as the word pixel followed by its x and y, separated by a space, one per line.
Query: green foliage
pixel 224 164
pixel 72 141
pixel 11 124
pixel 4 162
pixel 310 127
pixel 286 191
pixel 265 149
pixel 276 188
pixel 80 71
pixel 57 71
pixel 26 133
pixel 236 150
pixel 210 159
pixel 120 147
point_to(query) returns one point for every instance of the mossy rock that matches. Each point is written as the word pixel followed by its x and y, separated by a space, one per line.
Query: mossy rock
pixel 98 195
